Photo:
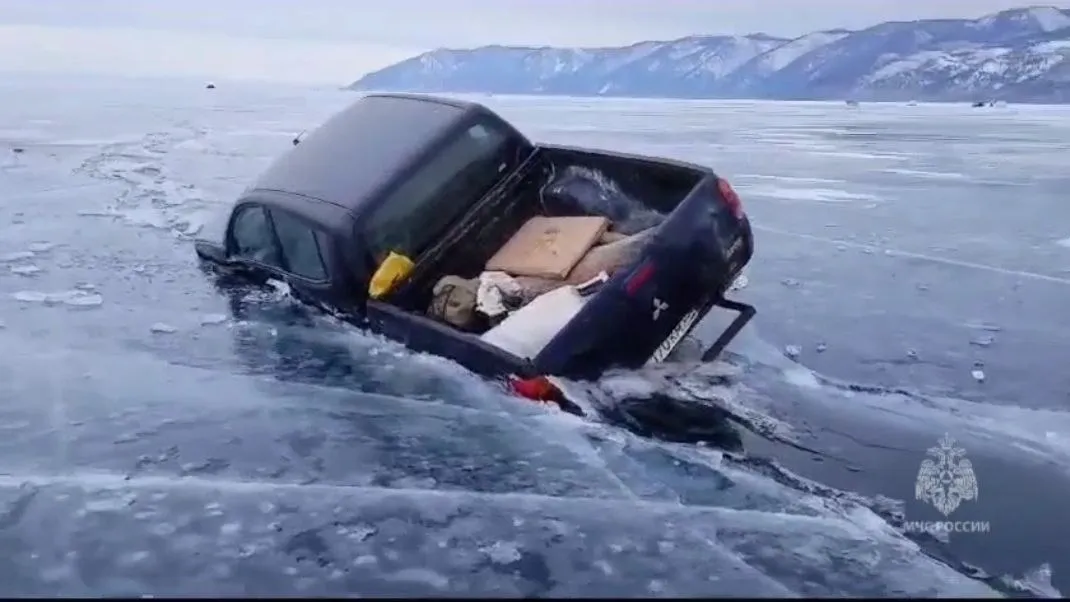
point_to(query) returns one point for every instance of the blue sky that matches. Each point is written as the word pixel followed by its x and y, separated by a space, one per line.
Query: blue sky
pixel 335 41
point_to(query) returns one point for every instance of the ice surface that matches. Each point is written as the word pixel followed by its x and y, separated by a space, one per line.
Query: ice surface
pixel 939 175
pixel 281 454
pixel 153 535
pixel 1037 582
pixel 824 195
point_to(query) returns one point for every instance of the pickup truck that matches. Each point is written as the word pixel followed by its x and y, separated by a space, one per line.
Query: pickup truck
pixel 366 215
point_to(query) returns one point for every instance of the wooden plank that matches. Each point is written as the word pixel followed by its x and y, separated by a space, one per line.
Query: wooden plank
pixel 548 246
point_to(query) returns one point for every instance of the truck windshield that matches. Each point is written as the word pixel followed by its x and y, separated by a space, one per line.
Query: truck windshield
pixel 418 212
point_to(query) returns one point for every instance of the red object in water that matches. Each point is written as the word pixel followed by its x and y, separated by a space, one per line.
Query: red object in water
pixel 538 389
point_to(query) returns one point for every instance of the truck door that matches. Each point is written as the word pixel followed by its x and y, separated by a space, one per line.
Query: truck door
pixel 306 264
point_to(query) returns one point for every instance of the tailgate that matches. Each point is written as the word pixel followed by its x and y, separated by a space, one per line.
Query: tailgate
pixel 692 259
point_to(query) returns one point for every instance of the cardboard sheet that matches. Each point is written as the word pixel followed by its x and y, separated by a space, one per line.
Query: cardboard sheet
pixel 548 247
pixel 608 257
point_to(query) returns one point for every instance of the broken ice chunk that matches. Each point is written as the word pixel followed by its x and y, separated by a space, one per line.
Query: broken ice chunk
pixel 74 298
pixel 30 296
pixel 211 319
pixel 987 326
pixel 25 270
pixel 16 256
pixel 740 283
pixel 81 298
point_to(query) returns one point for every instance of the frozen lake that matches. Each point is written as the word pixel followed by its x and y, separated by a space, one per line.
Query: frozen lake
pixel 152 443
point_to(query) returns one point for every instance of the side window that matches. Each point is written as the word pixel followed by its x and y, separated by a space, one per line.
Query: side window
pixel 300 247
pixel 450 183
pixel 252 237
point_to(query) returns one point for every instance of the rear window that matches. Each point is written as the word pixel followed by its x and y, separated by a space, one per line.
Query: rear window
pixel 419 211
pixel 300 246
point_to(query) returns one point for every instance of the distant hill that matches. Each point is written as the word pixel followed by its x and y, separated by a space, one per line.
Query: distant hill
pixel 1019 55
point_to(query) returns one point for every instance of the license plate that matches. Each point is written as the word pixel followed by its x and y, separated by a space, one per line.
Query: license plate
pixel 674 338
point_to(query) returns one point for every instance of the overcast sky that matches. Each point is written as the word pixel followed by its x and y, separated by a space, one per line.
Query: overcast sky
pixel 335 41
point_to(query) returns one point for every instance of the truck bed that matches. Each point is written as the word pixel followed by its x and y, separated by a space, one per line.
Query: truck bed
pixel 687 254
pixel 554 182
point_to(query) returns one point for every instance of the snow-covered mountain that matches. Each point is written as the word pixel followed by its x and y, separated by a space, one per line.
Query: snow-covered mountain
pixel 1017 55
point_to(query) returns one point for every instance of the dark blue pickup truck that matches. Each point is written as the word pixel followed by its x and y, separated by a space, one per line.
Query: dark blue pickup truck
pixel 439 186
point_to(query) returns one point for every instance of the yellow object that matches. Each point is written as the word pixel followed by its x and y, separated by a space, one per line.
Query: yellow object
pixel 395 268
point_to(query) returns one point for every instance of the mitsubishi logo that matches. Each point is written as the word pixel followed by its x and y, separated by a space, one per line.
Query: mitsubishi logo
pixel 659 306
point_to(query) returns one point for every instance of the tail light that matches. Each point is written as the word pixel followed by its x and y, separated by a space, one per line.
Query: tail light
pixel 730 198
pixel 538 388
pixel 638 278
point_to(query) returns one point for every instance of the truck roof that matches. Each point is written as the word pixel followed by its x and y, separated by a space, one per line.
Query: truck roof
pixel 356 153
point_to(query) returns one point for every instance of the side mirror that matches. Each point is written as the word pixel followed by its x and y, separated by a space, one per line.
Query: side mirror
pixel 210 251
